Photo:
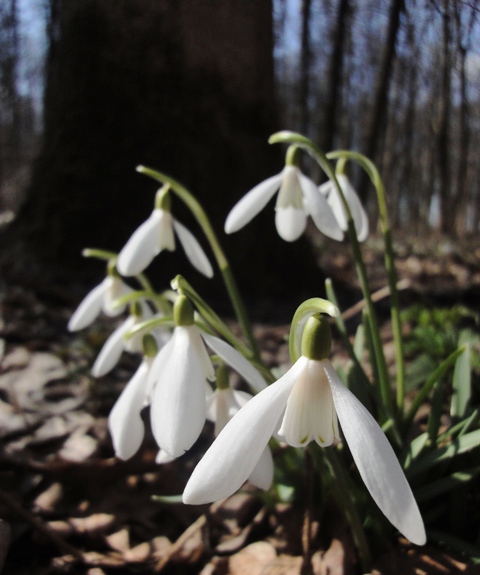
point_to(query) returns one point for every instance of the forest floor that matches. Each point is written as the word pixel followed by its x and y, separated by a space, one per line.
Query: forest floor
pixel 68 506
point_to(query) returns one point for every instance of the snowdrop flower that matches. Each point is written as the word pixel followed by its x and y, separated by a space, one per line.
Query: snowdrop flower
pixel 298 198
pixel 117 343
pixel 101 298
pixel 178 379
pixel 360 219
pixel 223 404
pixel 157 234
pixel 125 423
pixel 307 401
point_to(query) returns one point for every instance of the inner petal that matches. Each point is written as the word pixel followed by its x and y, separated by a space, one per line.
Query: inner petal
pixel 310 414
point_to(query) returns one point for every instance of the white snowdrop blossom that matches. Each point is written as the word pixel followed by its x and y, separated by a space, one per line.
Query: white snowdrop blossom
pixel 117 343
pixel 178 381
pixel 157 234
pixel 306 401
pixel 360 219
pixel 125 423
pixel 221 407
pixel 101 298
pixel 298 198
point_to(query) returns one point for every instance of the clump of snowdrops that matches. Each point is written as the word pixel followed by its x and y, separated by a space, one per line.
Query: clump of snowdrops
pixel 353 432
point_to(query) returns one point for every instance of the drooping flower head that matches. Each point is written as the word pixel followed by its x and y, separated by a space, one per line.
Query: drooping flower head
pixel 101 298
pixel 298 198
pixel 179 379
pixel 360 218
pixel 157 234
pixel 125 422
pixel 306 402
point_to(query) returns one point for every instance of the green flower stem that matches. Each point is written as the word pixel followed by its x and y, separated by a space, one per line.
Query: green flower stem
pixel 344 498
pixel 372 172
pixel 201 217
pixel 99 254
pixel 215 322
pixel 323 161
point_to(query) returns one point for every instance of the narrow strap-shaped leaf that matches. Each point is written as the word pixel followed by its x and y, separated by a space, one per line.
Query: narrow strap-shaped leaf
pixel 461 385
pixel 445 484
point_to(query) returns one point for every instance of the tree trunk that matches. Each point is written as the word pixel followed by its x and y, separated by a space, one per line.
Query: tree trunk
pixel 379 108
pixel 182 86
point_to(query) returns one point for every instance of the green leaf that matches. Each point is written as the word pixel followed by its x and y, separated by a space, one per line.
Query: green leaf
pixel 445 484
pixel 461 385
pixel 414 449
pixel 460 445
pixel 471 551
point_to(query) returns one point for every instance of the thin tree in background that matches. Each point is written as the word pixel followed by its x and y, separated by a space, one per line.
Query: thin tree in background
pixel 380 98
pixel 305 60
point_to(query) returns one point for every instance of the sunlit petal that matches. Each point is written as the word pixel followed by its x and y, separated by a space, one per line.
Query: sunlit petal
pixel 163 457
pixel 320 210
pixel 262 474
pixel 236 360
pixel 125 423
pixel 112 349
pixel 89 308
pixel 290 222
pixel 193 250
pixel 235 452
pixel 223 405
pixel 359 216
pixel 252 203
pixel 376 461
pixel 310 415
pixel 198 347
pixel 142 247
pixel 178 402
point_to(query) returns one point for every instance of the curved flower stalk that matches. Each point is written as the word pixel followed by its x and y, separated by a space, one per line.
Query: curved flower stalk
pixel 178 379
pixel 157 234
pixel 360 218
pixel 118 342
pixel 298 198
pixel 101 298
pixel 307 401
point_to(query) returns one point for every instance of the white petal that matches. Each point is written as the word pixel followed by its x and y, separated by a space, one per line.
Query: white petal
pixel 252 203
pixel 223 405
pixel 326 188
pixel 89 308
pixel 310 414
pixel 236 360
pixel 359 216
pixel 166 238
pixel 125 424
pixel 290 223
pixel 193 249
pixel 319 209
pixel 198 346
pixel 234 454
pixel 179 402
pixel 376 461
pixel 163 457
pixel 262 474
pixel 142 247
pixel 112 349
pixel 117 288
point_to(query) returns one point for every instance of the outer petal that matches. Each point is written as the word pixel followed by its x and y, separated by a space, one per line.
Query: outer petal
pixel 290 223
pixel 234 454
pixel 163 457
pixel 359 216
pixel 318 207
pixel 142 247
pixel 223 404
pixel 252 203
pixel 198 347
pixel 262 474
pixel 236 360
pixel 116 289
pixel 125 424
pixel 112 350
pixel 193 249
pixel 179 399
pixel 89 308
pixel 376 461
